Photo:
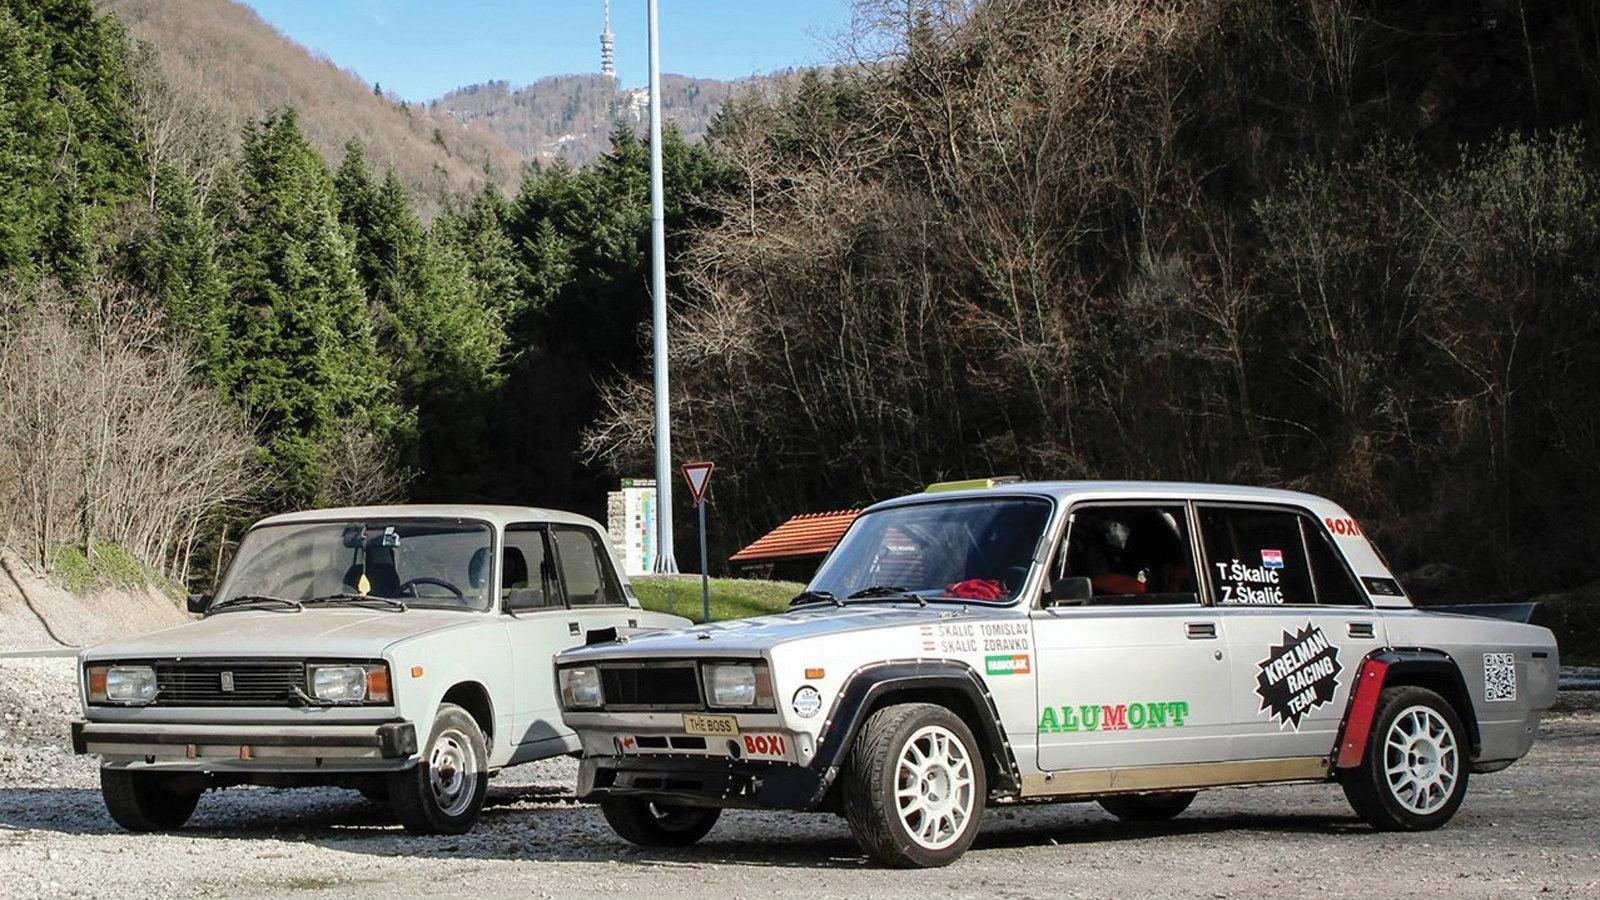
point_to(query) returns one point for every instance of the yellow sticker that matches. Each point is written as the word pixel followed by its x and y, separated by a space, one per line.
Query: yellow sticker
pixel 364 586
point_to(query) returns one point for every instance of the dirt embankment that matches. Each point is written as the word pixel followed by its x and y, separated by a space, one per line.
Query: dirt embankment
pixel 36 614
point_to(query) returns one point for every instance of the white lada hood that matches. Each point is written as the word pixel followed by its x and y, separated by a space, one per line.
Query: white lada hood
pixel 333 633
pixel 754 635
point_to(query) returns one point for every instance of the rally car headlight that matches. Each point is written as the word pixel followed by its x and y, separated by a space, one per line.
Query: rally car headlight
pixel 738 684
pixel 350 683
pixel 580 688
pixel 122 684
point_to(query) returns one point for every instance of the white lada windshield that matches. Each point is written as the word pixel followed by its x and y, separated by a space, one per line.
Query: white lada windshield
pixel 957 549
pixel 435 564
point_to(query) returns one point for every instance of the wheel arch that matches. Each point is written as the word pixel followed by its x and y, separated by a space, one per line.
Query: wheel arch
pixel 948 683
pixel 473 697
pixel 1422 667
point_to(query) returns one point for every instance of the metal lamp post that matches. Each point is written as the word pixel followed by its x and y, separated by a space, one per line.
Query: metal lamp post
pixel 666 561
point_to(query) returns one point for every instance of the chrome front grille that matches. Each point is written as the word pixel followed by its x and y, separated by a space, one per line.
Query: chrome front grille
pixel 223 683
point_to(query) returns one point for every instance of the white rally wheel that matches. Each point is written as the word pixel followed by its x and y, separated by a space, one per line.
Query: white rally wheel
pixel 1422 760
pixel 935 790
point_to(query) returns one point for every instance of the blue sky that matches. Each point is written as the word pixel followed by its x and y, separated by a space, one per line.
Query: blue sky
pixel 419 49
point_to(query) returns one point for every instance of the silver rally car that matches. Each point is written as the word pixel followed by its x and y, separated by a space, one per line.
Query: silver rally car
pixel 403 651
pixel 1128 643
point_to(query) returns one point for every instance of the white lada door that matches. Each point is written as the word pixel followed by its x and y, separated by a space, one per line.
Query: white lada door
pixel 1298 628
pixel 1138 675
pixel 557 584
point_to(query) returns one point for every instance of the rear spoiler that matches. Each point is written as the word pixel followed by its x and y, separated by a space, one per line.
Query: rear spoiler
pixel 1510 612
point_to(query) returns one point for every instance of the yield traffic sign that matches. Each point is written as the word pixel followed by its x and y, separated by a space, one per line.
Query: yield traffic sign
pixel 698 474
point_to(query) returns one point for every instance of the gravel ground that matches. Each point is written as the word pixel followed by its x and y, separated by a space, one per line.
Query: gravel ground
pixel 1528 830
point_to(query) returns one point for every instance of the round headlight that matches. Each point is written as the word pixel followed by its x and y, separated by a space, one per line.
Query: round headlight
pixel 807 702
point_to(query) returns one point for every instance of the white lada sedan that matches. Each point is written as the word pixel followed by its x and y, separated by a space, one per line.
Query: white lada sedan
pixel 403 651
pixel 1128 643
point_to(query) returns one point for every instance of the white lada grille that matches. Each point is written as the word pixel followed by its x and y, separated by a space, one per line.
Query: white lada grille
pixel 226 683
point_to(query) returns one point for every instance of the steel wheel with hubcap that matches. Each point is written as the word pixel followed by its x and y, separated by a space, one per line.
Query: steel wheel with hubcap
pixel 914 786
pixel 1413 775
pixel 443 793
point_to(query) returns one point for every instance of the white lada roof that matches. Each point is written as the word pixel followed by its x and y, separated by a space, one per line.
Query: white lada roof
pixel 1361 555
pixel 499 516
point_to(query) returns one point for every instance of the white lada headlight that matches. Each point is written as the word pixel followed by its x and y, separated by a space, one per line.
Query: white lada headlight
pixel 738 685
pixel 122 684
pixel 350 683
pixel 580 688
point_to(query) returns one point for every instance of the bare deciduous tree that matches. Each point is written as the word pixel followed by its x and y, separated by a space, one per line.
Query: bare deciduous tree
pixel 106 435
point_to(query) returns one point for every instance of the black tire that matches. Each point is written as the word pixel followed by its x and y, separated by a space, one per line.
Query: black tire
pixel 1391 803
pixel 1147 807
pixel 444 792
pixel 650 824
pixel 150 801
pixel 872 776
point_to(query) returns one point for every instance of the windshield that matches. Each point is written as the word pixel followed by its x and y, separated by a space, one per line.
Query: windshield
pixel 958 549
pixel 433 564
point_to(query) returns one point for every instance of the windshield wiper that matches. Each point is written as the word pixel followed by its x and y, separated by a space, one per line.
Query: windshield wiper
pixel 385 602
pixel 886 592
pixel 246 601
pixel 805 597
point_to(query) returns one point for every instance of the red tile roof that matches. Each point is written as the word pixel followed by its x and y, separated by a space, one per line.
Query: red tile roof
pixel 812 534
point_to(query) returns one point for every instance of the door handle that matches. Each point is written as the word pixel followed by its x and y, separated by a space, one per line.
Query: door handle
pixel 573 629
pixel 1362 630
pixel 1200 631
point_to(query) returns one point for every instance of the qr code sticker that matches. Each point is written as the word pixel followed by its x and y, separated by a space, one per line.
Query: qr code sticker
pixel 1499 676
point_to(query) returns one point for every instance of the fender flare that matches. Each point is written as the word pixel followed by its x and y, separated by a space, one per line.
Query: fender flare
pixel 1382 668
pixel 867 685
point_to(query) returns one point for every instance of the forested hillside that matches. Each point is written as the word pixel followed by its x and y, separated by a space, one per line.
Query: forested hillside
pixel 571 116
pixel 1342 245
pixel 1347 246
pixel 222 66
pixel 198 333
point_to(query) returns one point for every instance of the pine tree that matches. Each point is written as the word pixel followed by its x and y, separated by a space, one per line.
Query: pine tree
pixel 302 358
pixel 67 151
pixel 177 265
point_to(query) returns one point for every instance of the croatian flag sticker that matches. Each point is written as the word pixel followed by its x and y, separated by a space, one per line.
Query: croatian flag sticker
pixel 1272 559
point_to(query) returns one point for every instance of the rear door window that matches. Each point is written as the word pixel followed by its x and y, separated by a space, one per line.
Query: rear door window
pixel 1271 557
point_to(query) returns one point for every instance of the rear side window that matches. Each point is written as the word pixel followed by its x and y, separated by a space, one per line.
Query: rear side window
pixel 584 568
pixel 1271 557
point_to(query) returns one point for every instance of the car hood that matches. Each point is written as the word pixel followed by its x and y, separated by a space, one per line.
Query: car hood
pixel 746 636
pixel 329 632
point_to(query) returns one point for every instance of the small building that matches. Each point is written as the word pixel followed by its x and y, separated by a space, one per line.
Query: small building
pixel 793 550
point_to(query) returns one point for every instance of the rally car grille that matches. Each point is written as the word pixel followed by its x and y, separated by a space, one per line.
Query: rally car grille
pixel 228 683
pixel 658 686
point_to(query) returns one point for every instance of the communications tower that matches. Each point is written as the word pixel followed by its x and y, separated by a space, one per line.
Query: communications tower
pixel 608 53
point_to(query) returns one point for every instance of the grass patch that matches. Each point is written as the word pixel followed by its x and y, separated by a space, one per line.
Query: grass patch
pixel 104 567
pixel 731 598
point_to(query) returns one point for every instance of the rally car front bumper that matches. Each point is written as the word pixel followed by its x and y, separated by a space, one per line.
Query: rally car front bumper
pixel 706 781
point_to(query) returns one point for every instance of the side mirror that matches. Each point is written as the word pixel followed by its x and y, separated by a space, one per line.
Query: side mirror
pixel 198 602
pixel 1067 591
